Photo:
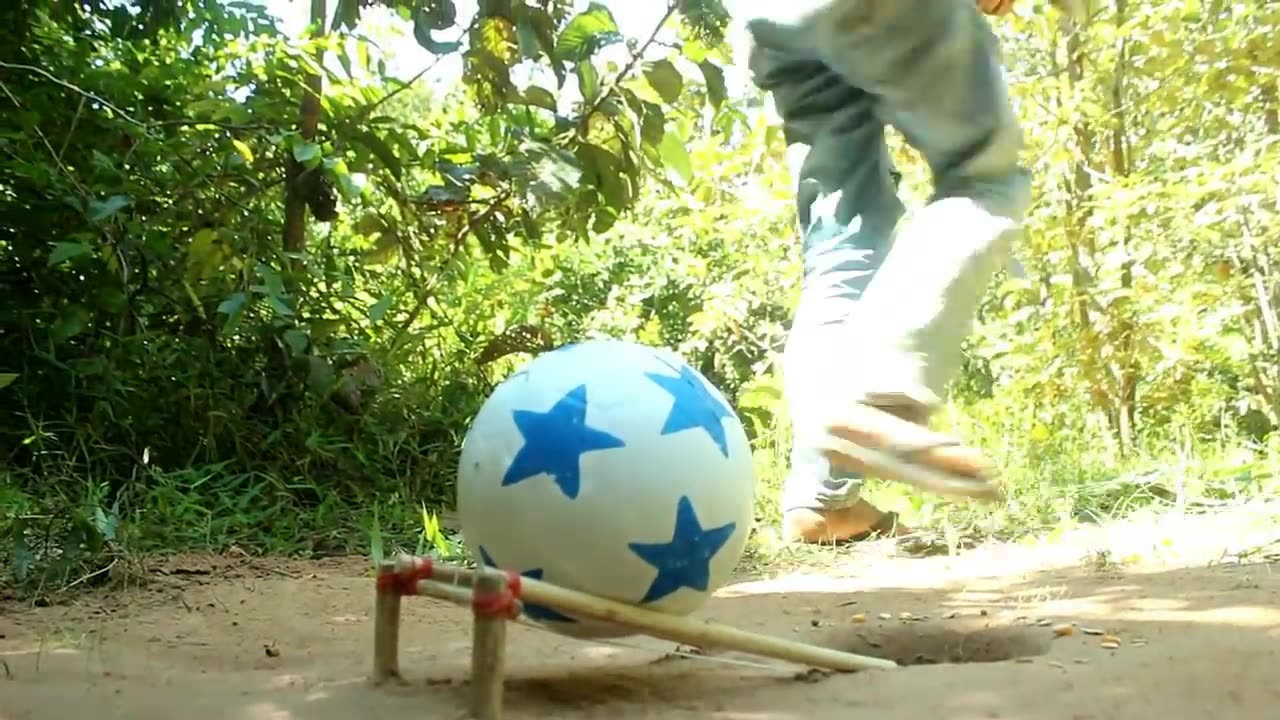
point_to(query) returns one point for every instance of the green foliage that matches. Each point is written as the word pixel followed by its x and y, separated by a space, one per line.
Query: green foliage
pixel 163 307
pixel 257 287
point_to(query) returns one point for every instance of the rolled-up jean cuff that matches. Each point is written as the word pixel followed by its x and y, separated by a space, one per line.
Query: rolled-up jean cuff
pixel 811 483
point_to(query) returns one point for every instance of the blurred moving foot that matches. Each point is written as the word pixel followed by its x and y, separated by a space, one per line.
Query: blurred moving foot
pixel 966 470
pixel 856 522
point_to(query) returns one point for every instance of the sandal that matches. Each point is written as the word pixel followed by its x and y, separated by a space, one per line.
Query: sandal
pixel 878 442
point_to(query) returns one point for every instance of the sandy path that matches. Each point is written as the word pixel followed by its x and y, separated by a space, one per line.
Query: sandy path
pixel 225 638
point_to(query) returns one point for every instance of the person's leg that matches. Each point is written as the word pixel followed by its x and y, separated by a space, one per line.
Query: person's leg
pixel 932 70
pixel 847 207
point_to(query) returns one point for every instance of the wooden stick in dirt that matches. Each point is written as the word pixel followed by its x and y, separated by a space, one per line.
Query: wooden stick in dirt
pixel 386 626
pixel 457 594
pixel 488 645
pixel 685 630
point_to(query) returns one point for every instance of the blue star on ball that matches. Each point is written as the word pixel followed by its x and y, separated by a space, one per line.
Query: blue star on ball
pixel 694 407
pixel 533 612
pixel 685 562
pixel 555 441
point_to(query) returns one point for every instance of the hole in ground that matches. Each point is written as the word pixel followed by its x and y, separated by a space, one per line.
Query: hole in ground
pixel 941 642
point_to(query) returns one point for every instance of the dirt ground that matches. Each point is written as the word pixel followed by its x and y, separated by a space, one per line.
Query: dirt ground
pixel 1198 626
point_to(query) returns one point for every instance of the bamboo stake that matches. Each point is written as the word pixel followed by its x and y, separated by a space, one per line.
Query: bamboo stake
pixel 457 594
pixel 675 628
pixel 386 627
pixel 488 649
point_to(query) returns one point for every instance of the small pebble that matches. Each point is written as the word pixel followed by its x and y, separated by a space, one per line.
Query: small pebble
pixel 1091 631
pixel 1064 630
pixel 885 616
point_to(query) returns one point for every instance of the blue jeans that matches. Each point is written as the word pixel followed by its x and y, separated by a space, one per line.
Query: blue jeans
pixel 885 308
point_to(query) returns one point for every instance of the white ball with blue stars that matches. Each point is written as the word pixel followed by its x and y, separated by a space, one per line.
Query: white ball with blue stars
pixel 612 468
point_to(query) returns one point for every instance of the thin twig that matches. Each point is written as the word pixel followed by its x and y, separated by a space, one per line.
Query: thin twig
pixel 626 70
pixel 73 88
pixel 368 110
pixel 459 240
pixel 71 131
pixel 45 140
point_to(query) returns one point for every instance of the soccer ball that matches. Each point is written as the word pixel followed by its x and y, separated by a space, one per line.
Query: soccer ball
pixel 611 468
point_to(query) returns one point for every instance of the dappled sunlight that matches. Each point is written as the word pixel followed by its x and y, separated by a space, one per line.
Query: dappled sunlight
pixel 37 648
pixel 983 701
pixel 287 680
pixel 266 711
pixel 1114 604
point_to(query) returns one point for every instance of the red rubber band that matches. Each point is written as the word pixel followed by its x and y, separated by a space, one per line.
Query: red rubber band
pixel 494 605
pixel 405 582
pixel 514 584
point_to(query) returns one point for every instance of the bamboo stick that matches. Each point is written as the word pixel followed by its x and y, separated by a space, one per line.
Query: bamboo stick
pixel 457 594
pixel 675 628
pixel 386 627
pixel 488 651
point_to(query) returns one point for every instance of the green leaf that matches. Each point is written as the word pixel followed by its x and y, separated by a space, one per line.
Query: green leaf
pixel 278 304
pixel 587 33
pixel 497 37
pixel 234 305
pixel 422 33
pixel 380 308
pixel 352 185
pixel 588 80
pixel 540 97
pixel 346 15
pixel 305 152
pixel 297 341
pixel 676 157
pixel 606 173
pixel 439 14
pixel 527 39
pixel 653 124
pixel 72 322
pixel 7 379
pixel 243 150
pixel 717 92
pixel 101 210
pixel 381 150
pixel 64 251
pixel 106 525
pixel 665 80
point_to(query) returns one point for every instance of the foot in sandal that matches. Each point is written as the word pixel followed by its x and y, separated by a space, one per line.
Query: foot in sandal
pixel 961 469
pixel 822 503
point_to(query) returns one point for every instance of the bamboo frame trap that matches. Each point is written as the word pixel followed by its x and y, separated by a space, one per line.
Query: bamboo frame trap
pixel 496 597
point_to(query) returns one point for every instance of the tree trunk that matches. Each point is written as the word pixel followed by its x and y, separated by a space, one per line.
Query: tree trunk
pixel 295 202
pixel 1126 389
